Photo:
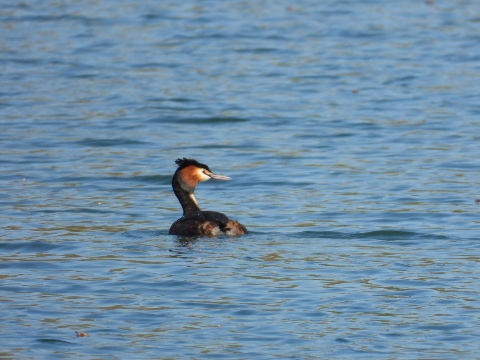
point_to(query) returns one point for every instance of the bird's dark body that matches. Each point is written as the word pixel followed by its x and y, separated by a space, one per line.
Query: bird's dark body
pixel 208 223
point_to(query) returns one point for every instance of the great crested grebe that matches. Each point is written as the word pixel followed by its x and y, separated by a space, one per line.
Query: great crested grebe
pixel 195 221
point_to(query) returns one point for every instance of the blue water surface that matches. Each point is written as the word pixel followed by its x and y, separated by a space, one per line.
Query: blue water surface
pixel 350 130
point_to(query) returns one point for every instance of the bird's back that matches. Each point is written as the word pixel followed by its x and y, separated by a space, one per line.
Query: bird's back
pixel 206 223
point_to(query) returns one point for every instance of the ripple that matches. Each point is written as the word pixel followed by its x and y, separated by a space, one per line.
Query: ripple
pixel 110 142
pixel 30 246
pixel 207 120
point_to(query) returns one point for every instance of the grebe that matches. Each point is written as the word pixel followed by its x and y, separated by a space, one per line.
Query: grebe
pixel 195 221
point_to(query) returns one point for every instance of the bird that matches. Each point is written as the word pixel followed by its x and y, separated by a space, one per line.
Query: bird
pixel 194 221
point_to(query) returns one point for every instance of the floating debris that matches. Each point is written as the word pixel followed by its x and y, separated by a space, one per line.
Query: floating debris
pixel 81 334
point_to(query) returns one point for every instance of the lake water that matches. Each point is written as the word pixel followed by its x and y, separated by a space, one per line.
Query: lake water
pixel 350 130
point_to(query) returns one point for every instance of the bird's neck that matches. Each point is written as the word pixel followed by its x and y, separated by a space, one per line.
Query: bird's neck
pixel 186 199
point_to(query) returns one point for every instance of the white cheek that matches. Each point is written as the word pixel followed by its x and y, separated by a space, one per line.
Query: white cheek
pixel 185 186
pixel 202 176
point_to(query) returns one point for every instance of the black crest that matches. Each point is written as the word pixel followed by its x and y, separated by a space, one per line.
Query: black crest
pixel 183 163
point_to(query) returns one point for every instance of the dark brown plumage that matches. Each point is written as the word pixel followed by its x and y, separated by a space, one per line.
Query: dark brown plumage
pixel 194 221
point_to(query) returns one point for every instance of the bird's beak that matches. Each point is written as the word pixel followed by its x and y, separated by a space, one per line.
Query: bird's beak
pixel 218 176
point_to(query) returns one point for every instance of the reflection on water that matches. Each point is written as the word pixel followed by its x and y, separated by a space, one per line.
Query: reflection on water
pixel 379 292
pixel 348 131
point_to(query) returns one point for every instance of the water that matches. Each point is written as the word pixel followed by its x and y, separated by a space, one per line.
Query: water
pixel 350 130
